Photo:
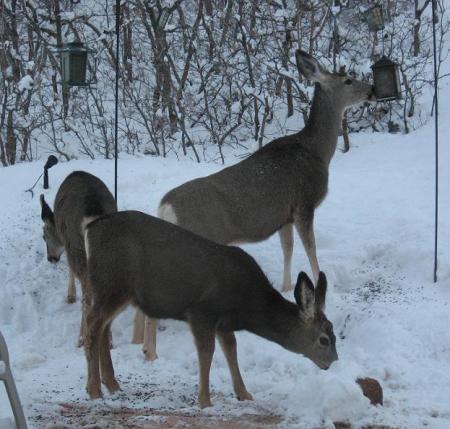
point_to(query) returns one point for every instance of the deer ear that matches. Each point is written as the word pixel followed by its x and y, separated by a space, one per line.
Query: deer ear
pixel 46 211
pixel 321 291
pixel 304 294
pixel 308 66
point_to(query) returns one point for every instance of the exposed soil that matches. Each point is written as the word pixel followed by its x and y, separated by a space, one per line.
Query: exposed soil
pixel 78 416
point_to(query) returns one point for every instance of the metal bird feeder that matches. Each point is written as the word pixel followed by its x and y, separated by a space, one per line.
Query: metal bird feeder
pixel 375 18
pixel 74 63
pixel 386 79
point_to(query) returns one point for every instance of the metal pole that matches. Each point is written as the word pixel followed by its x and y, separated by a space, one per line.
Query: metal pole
pixel 436 137
pixel 116 115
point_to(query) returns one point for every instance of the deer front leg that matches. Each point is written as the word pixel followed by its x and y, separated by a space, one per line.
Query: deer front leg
pixel 204 337
pixel 71 290
pixel 150 330
pixel 228 343
pixel 138 327
pixel 286 234
pixel 304 223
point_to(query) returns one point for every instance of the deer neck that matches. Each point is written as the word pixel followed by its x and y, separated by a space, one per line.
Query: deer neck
pixel 274 319
pixel 321 129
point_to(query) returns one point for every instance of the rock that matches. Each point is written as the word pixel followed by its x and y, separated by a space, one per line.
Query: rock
pixel 372 390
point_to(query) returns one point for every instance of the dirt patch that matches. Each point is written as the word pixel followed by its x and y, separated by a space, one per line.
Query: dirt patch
pixel 105 417
pixel 80 416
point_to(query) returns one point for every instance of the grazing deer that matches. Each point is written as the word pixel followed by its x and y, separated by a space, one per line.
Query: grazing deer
pixel 170 272
pixel 80 196
pixel 279 186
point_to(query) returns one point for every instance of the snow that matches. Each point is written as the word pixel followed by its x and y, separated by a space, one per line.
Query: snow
pixel 25 83
pixel 374 237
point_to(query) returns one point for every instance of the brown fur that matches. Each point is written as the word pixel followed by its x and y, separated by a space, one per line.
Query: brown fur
pixel 278 186
pixel 169 272
pixel 80 196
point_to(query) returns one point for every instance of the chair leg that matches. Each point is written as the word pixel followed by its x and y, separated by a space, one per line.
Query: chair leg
pixel 13 396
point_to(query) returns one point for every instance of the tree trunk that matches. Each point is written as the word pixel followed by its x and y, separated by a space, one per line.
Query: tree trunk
pixel 11 140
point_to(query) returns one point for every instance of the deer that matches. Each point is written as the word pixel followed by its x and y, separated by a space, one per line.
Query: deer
pixel 81 196
pixel 169 272
pixel 277 187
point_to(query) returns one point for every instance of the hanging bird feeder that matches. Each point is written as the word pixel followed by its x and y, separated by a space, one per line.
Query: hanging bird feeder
pixel 74 63
pixel 386 79
pixel 375 18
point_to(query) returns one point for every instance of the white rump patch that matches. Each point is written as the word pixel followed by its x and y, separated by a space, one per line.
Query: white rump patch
pixel 86 244
pixel 167 213
pixel 84 223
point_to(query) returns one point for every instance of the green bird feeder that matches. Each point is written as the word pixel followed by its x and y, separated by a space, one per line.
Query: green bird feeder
pixel 74 64
pixel 386 80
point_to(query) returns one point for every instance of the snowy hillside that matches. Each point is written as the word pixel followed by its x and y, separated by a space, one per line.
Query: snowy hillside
pixel 375 243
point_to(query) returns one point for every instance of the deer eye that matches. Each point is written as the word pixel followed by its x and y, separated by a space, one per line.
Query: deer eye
pixel 348 81
pixel 324 341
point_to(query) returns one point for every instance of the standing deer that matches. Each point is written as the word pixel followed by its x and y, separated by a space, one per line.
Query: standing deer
pixel 279 186
pixel 170 272
pixel 80 196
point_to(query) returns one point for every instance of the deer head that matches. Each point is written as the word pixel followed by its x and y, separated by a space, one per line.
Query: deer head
pixel 312 335
pixel 343 89
pixel 54 245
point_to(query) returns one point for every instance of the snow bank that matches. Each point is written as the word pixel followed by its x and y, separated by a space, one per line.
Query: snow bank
pixel 375 242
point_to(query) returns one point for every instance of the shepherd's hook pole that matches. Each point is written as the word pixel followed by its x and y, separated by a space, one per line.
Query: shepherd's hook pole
pixel 436 136
pixel 116 113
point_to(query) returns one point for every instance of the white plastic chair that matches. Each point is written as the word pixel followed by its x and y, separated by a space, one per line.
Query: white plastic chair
pixel 7 378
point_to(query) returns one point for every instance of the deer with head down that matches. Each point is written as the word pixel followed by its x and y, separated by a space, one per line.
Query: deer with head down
pixel 80 196
pixel 277 187
pixel 170 272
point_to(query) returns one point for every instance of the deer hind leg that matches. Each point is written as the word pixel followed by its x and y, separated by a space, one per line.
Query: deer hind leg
pixel 86 302
pixel 305 227
pixel 204 337
pixel 71 290
pixel 287 244
pixel 150 330
pixel 228 343
pixel 138 327
pixel 98 353
pixel 106 366
pixel 94 324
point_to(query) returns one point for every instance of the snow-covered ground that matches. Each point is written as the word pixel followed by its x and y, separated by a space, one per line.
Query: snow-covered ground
pixel 375 243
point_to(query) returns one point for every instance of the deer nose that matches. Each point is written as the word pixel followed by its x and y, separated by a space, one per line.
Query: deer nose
pixel 52 259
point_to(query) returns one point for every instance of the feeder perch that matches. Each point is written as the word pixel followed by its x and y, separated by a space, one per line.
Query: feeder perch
pixel 386 79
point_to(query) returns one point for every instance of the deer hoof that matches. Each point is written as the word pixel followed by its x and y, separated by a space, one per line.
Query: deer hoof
pixel 112 385
pixel 286 287
pixel 204 402
pixel 95 392
pixel 71 299
pixel 81 342
pixel 244 396
pixel 150 356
